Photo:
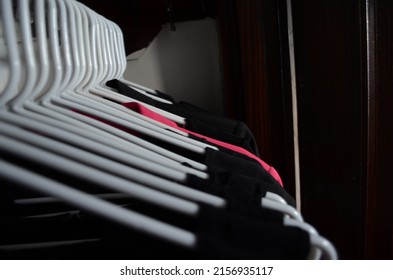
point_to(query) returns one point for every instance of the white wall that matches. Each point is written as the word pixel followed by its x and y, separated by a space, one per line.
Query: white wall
pixel 184 63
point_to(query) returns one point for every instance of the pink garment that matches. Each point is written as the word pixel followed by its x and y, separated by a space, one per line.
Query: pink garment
pixel 137 107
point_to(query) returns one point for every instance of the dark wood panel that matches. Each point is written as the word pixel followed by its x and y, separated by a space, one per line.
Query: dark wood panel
pixel 257 105
pixel 379 241
pixel 330 65
pixel 229 42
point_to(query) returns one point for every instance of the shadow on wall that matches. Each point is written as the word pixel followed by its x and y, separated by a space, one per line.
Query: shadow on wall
pixel 184 63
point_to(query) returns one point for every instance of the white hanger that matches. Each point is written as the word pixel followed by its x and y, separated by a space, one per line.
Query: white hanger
pixel 284 208
pixel 319 246
pixel 44 73
pixel 13 146
pixel 101 178
pixel 111 66
pixel 92 107
pixel 98 148
pixel 103 136
pixel 110 61
pixel 19 105
pixel 122 134
pixel 113 212
pixel 10 144
pixel 315 252
pixel 275 197
pixel 46 142
pixel 93 204
pixel 111 166
pixel 9 34
pixel 96 206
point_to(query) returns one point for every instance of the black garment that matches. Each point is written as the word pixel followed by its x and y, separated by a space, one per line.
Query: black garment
pixel 246 192
pixel 198 120
pixel 243 230
pixel 236 236
pixel 220 234
pixel 204 128
pixel 163 95
pixel 229 160
pixel 78 235
pixel 225 165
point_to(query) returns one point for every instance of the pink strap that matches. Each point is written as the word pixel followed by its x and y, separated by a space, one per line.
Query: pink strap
pixel 136 107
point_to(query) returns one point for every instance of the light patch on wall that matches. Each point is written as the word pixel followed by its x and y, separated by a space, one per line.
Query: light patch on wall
pixel 184 63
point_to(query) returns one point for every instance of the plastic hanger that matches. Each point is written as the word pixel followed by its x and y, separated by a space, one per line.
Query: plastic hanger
pixel 98 59
pixel 47 142
pixel 99 177
pixel 52 41
pixel 89 106
pixel 124 135
pixel 275 197
pixel 315 252
pixel 112 67
pixel 111 62
pixel 15 71
pixel 123 145
pixel 115 168
pixel 96 206
pixel 31 73
pixel 20 104
pixel 320 247
pixel 278 206
pixel 123 216
pixel 11 145
pixel 42 83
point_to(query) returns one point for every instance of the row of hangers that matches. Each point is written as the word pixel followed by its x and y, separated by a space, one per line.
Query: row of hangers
pixel 59 54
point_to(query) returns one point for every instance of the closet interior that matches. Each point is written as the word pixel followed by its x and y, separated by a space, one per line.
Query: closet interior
pixel 96 166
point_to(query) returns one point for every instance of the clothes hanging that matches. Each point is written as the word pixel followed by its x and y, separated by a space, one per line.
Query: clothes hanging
pixel 74 188
pixel 197 119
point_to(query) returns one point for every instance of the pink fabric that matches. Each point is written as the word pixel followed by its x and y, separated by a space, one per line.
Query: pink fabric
pixel 148 113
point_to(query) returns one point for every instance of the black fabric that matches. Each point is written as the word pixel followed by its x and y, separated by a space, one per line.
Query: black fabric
pixel 240 196
pixel 78 235
pixel 225 160
pixel 221 234
pixel 235 236
pixel 198 120
pixel 130 92
pixel 228 160
pixel 243 229
pixel 203 128
pixel 225 165
pixel 164 96
pixel 234 187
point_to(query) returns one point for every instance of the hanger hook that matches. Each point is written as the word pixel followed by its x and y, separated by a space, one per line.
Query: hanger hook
pixel 170 11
